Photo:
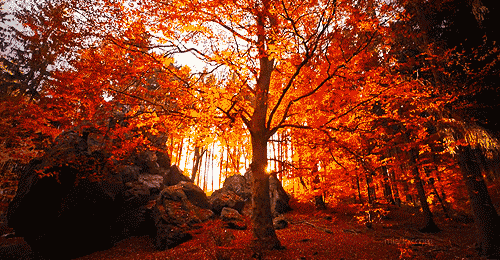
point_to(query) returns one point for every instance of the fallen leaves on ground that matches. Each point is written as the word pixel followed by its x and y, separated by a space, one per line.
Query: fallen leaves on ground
pixel 331 234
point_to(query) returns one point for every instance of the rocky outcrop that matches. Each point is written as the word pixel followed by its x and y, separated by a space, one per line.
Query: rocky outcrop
pixel 236 194
pixel 233 219
pixel 84 203
pixel 239 185
pixel 223 198
pixel 176 210
pixel 278 196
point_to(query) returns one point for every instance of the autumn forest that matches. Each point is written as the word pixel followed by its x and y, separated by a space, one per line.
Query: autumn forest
pixel 192 129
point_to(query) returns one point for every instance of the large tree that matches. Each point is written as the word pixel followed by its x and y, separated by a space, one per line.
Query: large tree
pixel 286 63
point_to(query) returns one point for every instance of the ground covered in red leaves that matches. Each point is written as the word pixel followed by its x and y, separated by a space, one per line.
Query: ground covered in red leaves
pixel 337 233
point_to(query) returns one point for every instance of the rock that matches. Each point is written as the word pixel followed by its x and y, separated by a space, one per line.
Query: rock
pixel 195 194
pixel 151 181
pixel 233 219
pixel 249 177
pixel 17 250
pixel 147 160
pixel 174 214
pixel 228 214
pixel 225 198
pixel 238 225
pixel 73 209
pixel 238 184
pixel 280 223
pixel 279 197
pixel 174 175
pixel 174 207
pixel 134 222
pixel 128 173
pixel 145 188
pixel 163 160
pixel 54 215
pixel 169 236
pixel 236 193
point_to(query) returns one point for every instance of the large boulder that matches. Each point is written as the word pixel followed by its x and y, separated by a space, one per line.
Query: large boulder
pixel 233 219
pixel 53 215
pixel 174 175
pixel 195 194
pixel 278 196
pixel 73 198
pixel 239 185
pixel 236 193
pixel 176 211
pixel 225 198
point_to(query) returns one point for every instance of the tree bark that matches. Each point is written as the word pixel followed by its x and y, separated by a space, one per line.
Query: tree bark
pixel 485 215
pixel 319 201
pixel 441 201
pixel 387 186
pixel 394 184
pixel 262 223
pixel 359 190
pixel 370 191
pixel 196 161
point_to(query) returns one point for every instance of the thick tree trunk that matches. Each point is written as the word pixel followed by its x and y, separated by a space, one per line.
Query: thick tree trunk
pixel 485 215
pixel 429 224
pixel 262 222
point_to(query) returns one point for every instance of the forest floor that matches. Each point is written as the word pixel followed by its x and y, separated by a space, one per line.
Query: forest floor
pixel 336 233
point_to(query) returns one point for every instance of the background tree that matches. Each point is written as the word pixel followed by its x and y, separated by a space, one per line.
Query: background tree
pixel 458 47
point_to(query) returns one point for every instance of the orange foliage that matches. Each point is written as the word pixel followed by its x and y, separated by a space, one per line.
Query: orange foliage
pixel 318 78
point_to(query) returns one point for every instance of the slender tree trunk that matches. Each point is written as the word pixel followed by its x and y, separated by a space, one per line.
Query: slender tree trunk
pixel 394 184
pixel 205 174
pixel 318 193
pixel 485 216
pixel 171 147
pixel 429 224
pixel 369 189
pixel 212 165
pixel 179 153
pixel 227 161
pixel 196 161
pixel 220 170
pixel 359 189
pixel 387 186
pixel 238 160
pixel 441 202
